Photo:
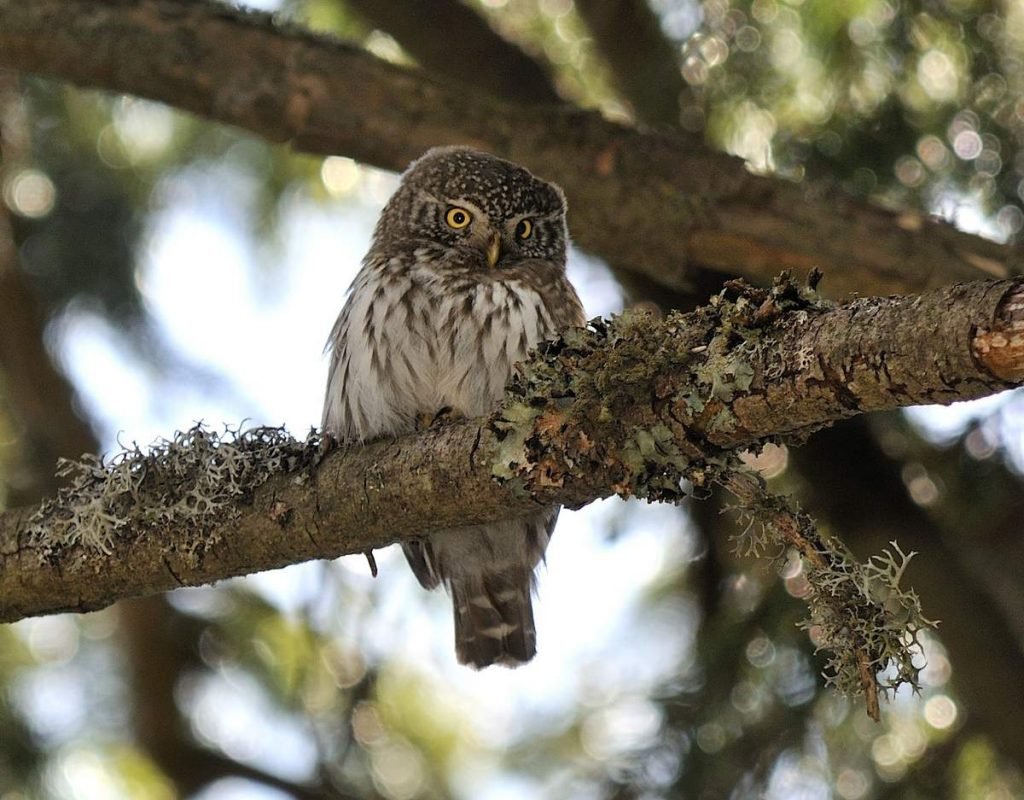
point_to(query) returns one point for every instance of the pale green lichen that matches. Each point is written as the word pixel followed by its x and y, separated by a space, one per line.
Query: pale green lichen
pixel 191 481
pixel 860 616
pixel 655 462
pixel 516 423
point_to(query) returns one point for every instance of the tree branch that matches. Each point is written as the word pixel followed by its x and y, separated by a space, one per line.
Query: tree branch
pixel 626 407
pixel 470 52
pixel 644 62
pixel 653 203
pixel 981 641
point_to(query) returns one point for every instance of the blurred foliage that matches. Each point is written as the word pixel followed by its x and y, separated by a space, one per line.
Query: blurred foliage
pixel 910 102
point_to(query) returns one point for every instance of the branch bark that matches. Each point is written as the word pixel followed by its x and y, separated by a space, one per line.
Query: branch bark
pixel 470 52
pixel 654 203
pixel 625 407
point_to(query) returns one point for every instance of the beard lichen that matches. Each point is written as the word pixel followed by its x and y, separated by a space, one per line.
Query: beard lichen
pixel 865 623
pixel 190 482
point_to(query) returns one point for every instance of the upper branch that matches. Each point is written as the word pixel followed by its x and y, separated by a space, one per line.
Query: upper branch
pixel 469 53
pixel 651 202
pixel 626 407
pixel 644 62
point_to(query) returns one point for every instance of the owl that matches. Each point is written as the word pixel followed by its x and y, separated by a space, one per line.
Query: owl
pixel 465 273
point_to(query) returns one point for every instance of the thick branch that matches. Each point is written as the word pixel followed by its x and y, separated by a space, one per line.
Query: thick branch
pixel 653 203
pixel 625 407
pixel 644 62
pixel 470 53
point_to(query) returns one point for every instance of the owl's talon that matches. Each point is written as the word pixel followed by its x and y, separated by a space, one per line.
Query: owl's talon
pixel 446 416
pixel 443 416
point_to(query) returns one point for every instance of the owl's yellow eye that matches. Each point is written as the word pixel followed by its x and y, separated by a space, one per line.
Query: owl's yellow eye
pixel 524 230
pixel 458 218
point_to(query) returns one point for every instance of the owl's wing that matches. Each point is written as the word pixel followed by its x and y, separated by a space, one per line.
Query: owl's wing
pixel 334 417
pixel 564 306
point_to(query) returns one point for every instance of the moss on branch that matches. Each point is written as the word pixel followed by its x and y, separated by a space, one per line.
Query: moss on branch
pixel 189 484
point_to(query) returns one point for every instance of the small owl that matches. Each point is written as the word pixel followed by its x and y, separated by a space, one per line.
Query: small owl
pixel 465 274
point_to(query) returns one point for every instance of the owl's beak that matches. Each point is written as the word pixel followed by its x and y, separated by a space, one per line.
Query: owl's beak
pixel 494 250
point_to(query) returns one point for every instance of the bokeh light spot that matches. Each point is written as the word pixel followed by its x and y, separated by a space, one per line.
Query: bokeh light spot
pixel 909 171
pixel 339 175
pixel 967 145
pixel 748 39
pixel 30 193
pixel 937 76
pixel 760 652
pixel 852 784
pixel 787 49
pixel 933 153
pixel 711 737
pixel 940 712
pixel 764 11
pixel 1010 220
pixel 861 31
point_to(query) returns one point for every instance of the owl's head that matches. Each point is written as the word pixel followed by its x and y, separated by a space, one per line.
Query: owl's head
pixel 491 213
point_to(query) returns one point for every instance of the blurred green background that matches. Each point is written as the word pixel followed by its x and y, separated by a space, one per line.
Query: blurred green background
pixel 156 269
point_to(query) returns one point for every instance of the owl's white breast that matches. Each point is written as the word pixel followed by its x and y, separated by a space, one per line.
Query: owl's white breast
pixel 411 345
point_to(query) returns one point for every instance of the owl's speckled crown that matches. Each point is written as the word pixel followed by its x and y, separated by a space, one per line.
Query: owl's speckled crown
pixel 501 189
pixel 496 184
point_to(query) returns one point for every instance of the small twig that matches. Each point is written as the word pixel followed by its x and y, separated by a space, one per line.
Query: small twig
pixel 371 561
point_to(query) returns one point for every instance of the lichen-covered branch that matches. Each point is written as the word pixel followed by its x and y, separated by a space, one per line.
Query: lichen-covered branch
pixel 860 615
pixel 628 407
pixel 654 203
pixel 632 406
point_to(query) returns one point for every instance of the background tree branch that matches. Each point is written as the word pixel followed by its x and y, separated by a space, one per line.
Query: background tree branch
pixel 653 203
pixel 470 53
pixel 35 390
pixel 644 63
pixel 649 400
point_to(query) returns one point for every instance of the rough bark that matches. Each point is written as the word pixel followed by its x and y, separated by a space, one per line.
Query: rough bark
pixel 653 203
pixel 626 408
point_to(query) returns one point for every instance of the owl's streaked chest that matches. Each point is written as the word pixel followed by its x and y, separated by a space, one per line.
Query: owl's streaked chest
pixel 452 342
pixel 414 342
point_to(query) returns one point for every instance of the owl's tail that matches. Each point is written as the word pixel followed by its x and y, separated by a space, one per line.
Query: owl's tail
pixel 494 618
